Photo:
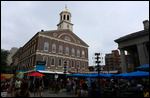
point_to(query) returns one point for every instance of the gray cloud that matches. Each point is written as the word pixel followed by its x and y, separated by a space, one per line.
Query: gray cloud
pixel 98 23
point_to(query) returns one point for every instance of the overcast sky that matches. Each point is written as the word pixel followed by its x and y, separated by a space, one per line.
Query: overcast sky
pixel 97 23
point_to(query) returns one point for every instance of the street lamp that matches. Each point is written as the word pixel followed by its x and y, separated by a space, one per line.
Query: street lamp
pixel 98 61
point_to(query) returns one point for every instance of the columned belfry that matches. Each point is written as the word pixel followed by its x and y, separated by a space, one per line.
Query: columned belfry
pixel 65 20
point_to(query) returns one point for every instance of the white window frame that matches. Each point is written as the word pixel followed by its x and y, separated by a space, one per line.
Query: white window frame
pixel 53 48
pixel 78 53
pixel 67 51
pixel 83 65
pixel 78 64
pixel 46 45
pixel 59 62
pixel 60 49
pixel 83 54
pixel 73 63
pixel 54 61
pixel 46 59
pixel 73 52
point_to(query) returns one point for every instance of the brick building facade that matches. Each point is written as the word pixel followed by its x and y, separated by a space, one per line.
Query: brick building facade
pixel 112 61
pixel 55 47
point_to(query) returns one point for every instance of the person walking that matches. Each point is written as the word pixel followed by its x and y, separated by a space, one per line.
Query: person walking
pixel 36 86
pixel 83 92
pixel 41 86
pixel 12 88
pixel 51 85
pixel 17 84
pixel 23 91
pixel 94 92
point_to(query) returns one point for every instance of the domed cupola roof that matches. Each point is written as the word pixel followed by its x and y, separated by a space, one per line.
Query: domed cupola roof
pixel 66 10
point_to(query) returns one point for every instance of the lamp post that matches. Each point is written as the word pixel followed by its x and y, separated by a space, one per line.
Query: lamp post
pixel 98 61
pixel 65 67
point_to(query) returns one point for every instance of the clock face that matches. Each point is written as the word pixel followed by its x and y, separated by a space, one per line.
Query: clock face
pixel 54 34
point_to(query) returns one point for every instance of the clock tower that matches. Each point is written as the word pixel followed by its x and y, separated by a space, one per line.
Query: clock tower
pixel 65 20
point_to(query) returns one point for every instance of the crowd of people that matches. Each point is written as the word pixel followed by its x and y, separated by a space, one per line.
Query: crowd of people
pixel 111 86
pixel 82 87
pixel 19 87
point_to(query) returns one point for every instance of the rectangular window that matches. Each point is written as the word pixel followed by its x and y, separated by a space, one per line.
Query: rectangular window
pixel 72 63
pixel 60 62
pixel 83 64
pixel 78 64
pixel 53 61
pixel 45 59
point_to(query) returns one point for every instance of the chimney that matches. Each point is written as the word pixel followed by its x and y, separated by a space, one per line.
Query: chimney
pixel 146 24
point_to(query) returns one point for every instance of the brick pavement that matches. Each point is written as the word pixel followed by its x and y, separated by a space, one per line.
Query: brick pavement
pixel 46 93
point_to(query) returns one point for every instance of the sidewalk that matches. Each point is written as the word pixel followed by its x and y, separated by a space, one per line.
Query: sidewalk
pixel 46 93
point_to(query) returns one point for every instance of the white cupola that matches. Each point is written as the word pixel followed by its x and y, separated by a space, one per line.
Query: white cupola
pixel 65 20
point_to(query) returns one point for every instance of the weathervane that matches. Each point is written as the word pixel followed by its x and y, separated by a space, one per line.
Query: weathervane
pixel 65 6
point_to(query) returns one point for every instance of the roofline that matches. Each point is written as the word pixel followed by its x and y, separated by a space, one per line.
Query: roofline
pixel 65 30
pixel 132 35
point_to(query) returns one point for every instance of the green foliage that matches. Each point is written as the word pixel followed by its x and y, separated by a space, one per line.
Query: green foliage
pixel 4 54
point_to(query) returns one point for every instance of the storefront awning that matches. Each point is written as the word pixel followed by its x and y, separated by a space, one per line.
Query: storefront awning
pixel 41 71
pixel 52 72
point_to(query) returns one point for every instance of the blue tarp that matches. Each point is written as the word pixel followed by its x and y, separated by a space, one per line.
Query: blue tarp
pixel 137 75
pixel 104 75
pixel 77 75
pixel 120 75
pixel 143 66
pixel 92 75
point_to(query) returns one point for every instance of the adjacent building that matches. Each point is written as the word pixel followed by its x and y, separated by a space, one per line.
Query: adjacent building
pixel 54 47
pixel 12 51
pixel 137 46
pixel 112 62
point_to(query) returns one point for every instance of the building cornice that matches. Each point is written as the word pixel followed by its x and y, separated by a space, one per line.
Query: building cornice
pixel 60 56
pixel 132 35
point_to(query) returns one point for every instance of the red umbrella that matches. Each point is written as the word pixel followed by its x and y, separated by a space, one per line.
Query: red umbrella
pixel 2 77
pixel 36 74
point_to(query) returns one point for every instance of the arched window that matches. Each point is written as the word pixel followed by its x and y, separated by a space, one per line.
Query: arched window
pixel 67 51
pixel 54 48
pixel 78 53
pixel 67 38
pixel 83 54
pixel 60 49
pixel 73 52
pixel 46 46
pixel 64 17
pixel 68 17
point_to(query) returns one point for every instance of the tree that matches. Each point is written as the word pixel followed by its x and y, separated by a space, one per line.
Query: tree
pixel 4 65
